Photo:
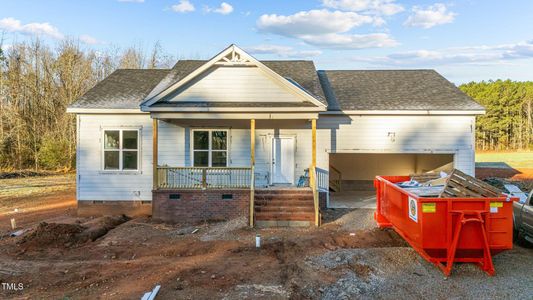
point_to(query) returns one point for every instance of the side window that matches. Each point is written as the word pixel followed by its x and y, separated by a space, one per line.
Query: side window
pixel 111 150
pixel 121 150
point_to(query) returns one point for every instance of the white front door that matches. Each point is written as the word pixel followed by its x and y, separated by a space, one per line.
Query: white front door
pixel 283 160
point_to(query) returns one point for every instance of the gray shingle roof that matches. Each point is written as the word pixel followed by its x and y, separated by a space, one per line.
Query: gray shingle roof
pixel 393 90
pixel 124 88
pixel 303 72
pixel 341 90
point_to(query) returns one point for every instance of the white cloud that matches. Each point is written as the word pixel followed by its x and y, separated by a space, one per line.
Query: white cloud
pixel 327 29
pixel 184 6
pixel 89 40
pixel 433 15
pixel 458 55
pixel 281 51
pixel 134 1
pixel 351 41
pixel 14 25
pixel 380 7
pixel 223 9
pixel 311 22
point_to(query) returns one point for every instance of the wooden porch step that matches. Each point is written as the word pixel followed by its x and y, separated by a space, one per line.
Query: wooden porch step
pixel 284 196
pixel 283 192
pixel 281 216
pixel 284 202
pixel 291 209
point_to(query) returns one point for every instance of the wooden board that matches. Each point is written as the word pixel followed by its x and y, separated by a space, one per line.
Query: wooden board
pixel 421 178
pixel 461 185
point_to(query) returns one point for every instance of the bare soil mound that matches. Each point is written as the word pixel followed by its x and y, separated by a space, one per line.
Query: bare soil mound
pixel 68 235
pixel 53 234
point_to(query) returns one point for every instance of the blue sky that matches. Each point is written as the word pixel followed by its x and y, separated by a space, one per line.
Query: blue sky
pixel 464 40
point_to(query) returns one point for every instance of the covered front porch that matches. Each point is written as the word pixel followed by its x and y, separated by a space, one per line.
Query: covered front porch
pixel 230 167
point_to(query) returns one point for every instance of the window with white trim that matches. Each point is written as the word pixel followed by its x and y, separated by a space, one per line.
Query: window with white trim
pixel 210 147
pixel 121 150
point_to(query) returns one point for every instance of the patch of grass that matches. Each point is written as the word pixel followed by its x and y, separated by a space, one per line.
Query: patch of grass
pixel 517 160
pixel 35 186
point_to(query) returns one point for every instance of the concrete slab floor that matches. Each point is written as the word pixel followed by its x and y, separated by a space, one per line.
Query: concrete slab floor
pixel 353 199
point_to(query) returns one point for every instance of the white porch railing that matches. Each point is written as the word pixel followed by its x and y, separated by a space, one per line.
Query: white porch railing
pixel 322 180
pixel 203 178
pixel 319 182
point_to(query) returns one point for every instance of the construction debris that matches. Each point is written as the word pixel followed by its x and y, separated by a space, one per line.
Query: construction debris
pixel 462 185
pixel 516 192
pixel 442 185
pixel 17 233
pixel 151 295
pixel 425 177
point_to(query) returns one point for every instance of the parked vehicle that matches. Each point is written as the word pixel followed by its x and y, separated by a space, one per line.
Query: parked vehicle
pixel 523 219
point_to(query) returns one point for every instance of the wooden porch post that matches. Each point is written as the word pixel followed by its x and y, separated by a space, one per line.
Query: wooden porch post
pixel 312 171
pixel 252 170
pixel 154 152
pixel 252 142
pixel 313 151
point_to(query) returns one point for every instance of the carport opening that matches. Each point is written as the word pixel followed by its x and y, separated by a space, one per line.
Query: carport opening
pixel 358 170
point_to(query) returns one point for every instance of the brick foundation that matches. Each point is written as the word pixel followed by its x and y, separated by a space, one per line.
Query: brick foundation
pixel 193 206
pixel 322 200
pixel 102 208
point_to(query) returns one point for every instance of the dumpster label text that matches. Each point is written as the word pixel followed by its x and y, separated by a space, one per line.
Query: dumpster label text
pixel 494 206
pixel 429 207
pixel 413 209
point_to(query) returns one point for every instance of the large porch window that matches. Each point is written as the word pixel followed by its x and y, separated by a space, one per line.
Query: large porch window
pixel 121 149
pixel 210 148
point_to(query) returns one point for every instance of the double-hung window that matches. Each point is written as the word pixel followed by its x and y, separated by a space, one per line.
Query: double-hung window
pixel 121 150
pixel 210 148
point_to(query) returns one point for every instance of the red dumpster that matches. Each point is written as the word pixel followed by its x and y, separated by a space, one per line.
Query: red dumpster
pixel 446 230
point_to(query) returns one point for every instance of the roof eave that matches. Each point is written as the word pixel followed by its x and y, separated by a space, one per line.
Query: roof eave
pixel 85 110
pixel 145 108
pixel 406 112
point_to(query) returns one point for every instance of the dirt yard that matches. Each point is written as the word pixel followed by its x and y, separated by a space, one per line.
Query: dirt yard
pixel 112 258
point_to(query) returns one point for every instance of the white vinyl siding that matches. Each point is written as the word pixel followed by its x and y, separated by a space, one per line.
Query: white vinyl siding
pixel 335 134
pixel 404 134
pixel 96 184
pixel 236 84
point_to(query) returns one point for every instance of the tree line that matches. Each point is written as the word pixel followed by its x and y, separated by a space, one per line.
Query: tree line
pixel 508 122
pixel 38 82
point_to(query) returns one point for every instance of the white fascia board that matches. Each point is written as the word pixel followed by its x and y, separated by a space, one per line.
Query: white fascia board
pixel 234 116
pixel 105 110
pixel 231 109
pixel 405 112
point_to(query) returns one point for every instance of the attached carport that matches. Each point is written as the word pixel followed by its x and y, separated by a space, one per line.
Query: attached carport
pixel 352 174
